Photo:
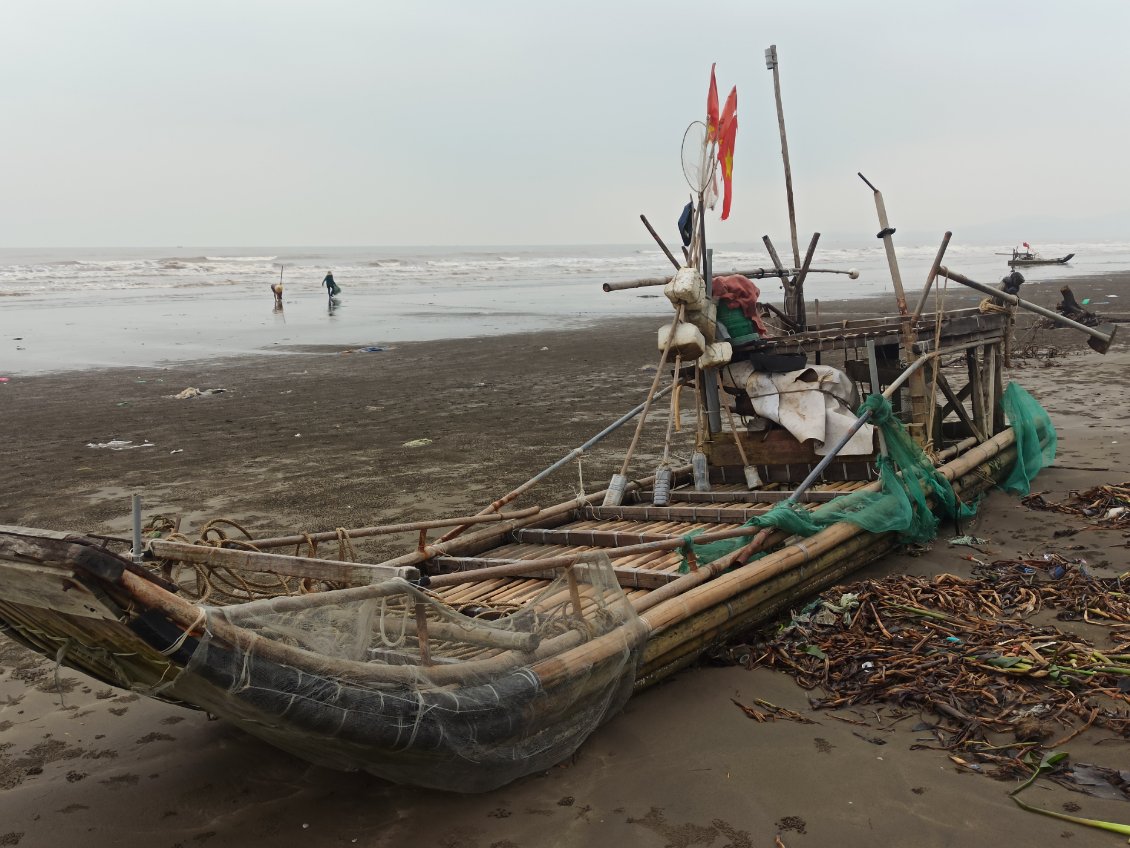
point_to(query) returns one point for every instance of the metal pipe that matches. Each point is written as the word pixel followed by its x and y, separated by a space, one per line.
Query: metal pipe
pixel 814 475
pixel 1100 340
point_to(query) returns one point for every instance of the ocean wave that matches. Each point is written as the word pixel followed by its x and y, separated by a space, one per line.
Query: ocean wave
pixel 239 258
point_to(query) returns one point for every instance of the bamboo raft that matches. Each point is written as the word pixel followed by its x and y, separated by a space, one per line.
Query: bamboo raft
pixel 493 650
pixel 484 655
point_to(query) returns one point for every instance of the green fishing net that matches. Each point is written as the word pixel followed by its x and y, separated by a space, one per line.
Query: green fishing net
pixel 901 505
pixel 1035 438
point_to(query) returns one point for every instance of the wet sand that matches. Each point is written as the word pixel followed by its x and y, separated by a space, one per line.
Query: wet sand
pixel 317 439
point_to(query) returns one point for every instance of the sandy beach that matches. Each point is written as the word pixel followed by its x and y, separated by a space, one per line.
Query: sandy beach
pixel 320 436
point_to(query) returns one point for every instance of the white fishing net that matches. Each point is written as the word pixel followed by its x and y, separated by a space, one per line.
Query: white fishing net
pixel 465 690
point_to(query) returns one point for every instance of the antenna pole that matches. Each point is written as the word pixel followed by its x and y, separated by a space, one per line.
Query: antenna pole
pixel 771 64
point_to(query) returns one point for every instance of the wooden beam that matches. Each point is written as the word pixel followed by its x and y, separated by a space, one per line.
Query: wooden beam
pixel 957 406
pixel 755 497
pixel 736 515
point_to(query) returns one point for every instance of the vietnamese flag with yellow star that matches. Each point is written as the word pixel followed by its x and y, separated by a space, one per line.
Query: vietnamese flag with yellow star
pixel 727 135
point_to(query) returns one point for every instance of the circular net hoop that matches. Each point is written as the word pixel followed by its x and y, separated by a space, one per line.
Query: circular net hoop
pixel 698 163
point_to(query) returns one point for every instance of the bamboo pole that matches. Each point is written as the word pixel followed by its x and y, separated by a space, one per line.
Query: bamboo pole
pixel 771 64
pixel 798 283
pixel 751 273
pixel 918 384
pixel 726 586
pixel 387 529
pixel 931 277
pixel 292 566
pixel 659 241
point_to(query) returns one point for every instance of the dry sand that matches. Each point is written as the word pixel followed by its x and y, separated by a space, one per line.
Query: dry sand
pixel 316 440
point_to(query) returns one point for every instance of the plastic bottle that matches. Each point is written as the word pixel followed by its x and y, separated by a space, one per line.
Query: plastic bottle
pixel 661 493
pixel 615 494
pixel 701 472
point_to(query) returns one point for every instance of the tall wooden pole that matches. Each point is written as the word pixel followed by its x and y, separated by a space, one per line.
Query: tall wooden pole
pixel 771 64
pixel 918 400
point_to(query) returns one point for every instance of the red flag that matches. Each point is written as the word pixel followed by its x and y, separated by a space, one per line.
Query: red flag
pixel 712 107
pixel 727 135
pixel 1026 244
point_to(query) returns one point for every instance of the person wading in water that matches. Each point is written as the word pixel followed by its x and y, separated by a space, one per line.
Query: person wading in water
pixel 331 287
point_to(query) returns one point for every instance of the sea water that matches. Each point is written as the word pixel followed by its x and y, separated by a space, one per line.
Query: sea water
pixel 74 308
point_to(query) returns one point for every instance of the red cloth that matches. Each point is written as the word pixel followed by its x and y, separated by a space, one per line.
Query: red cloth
pixel 727 133
pixel 740 293
pixel 712 108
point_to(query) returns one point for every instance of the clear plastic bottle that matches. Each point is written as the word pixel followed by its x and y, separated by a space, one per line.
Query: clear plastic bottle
pixel 661 494
pixel 701 472
pixel 615 494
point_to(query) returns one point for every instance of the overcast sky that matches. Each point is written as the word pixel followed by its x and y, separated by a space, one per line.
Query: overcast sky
pixel 190 122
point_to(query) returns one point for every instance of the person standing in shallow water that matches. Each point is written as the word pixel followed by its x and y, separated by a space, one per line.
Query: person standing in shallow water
pixel 331 287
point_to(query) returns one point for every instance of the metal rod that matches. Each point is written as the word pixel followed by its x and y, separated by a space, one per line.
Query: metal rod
pixel 569 457
pixel 931 276
pixel 771 64
pixel 135 503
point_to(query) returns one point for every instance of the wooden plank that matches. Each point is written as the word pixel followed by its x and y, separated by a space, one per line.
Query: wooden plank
pixel 11 529
pixel 861 469
pixel 771 447
pixel 594 538
pixel 732 515
pixel 755 497
pixel 49 587
pixel 288 566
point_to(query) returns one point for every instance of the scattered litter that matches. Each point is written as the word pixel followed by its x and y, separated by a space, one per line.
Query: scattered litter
pixel 544 348
pixel 968 541
pixel 192 392
pixel 123 403
pixel 177 450
pixel 371 349
pixel 120 444
pixel 4 379
pixel 1108 505
pixel 417 443
pixel 297 435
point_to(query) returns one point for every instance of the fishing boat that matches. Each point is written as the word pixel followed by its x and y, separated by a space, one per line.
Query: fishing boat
pixel 492 651
pixel 1023 258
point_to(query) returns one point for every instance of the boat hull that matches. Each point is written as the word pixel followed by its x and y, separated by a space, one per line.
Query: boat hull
pixel 470 736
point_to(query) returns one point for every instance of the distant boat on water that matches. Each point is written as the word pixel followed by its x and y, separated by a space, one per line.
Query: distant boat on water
pixel 1027 256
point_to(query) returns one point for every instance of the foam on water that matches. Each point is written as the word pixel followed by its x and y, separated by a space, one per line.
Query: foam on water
pixel 83 307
